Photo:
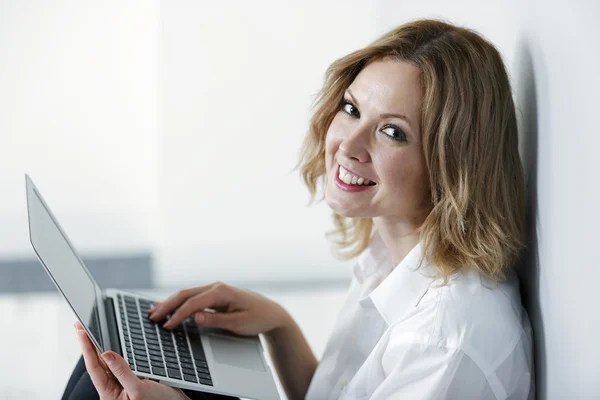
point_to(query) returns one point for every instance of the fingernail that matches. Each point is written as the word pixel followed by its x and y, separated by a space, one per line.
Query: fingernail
pixel 109 358
pixel 199 318
pixel 166 325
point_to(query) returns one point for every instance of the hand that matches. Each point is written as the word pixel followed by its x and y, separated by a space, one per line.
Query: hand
pixel 113 379
pixel 236 310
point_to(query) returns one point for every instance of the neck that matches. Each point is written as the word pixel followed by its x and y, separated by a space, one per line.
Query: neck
pixel 399 237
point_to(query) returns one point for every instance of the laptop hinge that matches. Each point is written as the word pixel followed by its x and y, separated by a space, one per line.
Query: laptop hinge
pixel 111 321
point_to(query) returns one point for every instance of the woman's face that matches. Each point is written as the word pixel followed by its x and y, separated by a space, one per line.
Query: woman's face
pixel 376 135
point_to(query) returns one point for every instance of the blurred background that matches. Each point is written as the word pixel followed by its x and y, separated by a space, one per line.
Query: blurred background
pixel 163 134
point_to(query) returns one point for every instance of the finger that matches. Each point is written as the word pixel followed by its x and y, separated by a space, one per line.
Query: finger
pixel 214 297
pixel 229 321
pixel 175 301
pixel 100 378
pixel 120 369
pixel 154 307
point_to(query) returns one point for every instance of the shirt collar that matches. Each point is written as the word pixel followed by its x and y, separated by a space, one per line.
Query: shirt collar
pixel 399 289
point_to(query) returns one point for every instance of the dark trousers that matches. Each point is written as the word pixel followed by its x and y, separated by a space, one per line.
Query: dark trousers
pixel 80 387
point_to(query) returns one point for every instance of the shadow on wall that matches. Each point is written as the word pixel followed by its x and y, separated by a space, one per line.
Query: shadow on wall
pixel 528 267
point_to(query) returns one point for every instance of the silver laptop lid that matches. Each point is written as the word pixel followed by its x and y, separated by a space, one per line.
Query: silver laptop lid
pixel 66 269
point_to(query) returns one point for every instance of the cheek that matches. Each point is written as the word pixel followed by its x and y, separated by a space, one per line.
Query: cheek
pixel 406 176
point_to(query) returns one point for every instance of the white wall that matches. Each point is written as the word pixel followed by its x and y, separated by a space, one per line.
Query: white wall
pixel 238 81
pixel 562 43
pixel 553 56
pixel 79 112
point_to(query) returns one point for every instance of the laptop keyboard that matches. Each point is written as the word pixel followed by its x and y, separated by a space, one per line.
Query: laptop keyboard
pixel 152 349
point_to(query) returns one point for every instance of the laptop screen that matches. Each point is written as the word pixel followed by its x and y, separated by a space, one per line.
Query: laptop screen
pixel 62 264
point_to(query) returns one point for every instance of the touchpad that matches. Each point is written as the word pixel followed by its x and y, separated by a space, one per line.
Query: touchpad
pixel 236 352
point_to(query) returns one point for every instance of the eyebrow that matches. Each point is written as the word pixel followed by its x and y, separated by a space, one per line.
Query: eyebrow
pixel 385 115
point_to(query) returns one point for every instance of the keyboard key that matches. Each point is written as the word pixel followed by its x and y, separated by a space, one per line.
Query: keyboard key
pixel 154 352
pixel 201 370
pixel 143 363
pixel 144 369
pixel 206 382
pixel 170 353
pixel 199 358
pixel 155 363
pixel 186 365
pixel 185 359
pixel 170 359
pixel 197 350
pixel 159 371
pixel 172 365
pixel 173 373
pixel 201 364
pixel 203 376
pixel 190 378
pixel 188 371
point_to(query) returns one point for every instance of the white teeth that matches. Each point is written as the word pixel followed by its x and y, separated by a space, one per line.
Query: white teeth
pixel 350 179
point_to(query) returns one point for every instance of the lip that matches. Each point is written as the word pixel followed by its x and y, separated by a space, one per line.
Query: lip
pixel 349 188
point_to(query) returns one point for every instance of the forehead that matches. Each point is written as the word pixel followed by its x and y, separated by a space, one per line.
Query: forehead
pixel 389 86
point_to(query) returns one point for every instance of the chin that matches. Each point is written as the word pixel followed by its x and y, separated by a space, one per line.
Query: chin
pixel 348 212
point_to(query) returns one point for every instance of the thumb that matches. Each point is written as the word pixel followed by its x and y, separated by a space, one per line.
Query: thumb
pixel 120 369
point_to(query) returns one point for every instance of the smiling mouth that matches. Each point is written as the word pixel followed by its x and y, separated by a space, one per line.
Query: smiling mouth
pixel 355 180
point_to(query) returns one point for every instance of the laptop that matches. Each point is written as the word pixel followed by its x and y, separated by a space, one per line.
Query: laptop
pixel 189 357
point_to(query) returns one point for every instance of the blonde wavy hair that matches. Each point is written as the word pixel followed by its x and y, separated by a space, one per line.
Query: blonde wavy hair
pixel 470 144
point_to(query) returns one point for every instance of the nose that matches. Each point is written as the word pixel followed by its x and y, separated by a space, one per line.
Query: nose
pixel 355 144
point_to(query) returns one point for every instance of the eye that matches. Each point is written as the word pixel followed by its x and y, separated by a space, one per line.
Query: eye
pixel 349 108
pixel 393 132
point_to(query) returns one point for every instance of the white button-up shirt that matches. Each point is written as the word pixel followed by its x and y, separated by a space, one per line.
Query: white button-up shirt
pixel 400 335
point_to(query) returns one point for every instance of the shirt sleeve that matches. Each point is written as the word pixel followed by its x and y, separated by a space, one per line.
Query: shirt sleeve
pixel 418 371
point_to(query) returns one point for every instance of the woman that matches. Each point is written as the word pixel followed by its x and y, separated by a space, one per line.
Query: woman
pixel 414 139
